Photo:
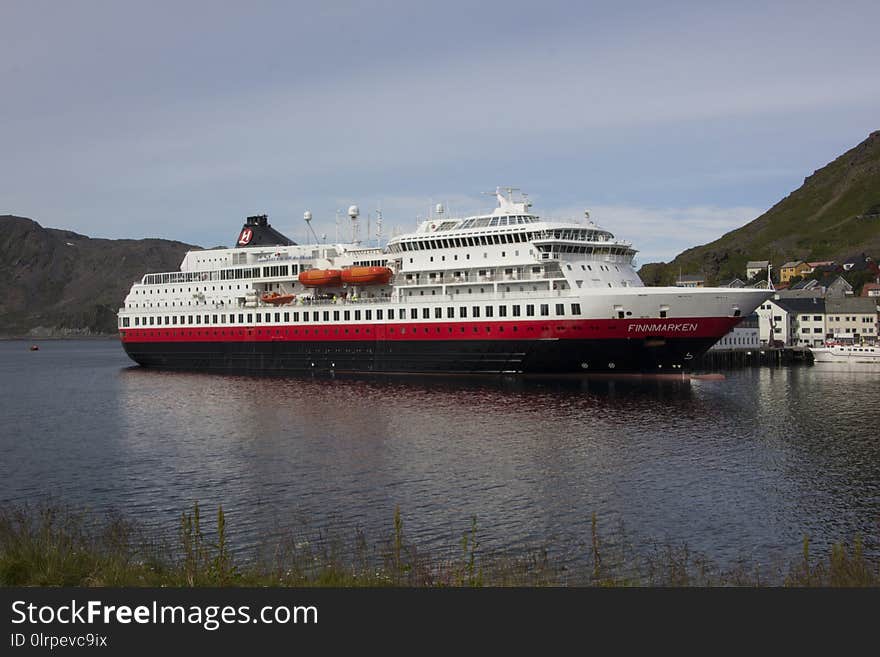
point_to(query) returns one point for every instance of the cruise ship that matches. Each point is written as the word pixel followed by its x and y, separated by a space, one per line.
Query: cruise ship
pixel 502 293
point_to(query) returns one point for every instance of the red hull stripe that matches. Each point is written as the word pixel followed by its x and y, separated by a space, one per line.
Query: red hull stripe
pixel 588 329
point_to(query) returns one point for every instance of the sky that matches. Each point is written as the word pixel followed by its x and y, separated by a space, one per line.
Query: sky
pixel 672 122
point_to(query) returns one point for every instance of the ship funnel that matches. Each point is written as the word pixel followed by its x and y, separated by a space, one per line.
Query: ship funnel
pixel 257 232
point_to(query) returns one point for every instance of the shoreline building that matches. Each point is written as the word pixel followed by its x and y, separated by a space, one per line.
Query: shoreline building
pixel 852 318
pixel 744 336
pixel 810 321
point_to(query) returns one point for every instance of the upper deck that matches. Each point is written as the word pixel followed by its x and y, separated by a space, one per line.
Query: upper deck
pixel 508 253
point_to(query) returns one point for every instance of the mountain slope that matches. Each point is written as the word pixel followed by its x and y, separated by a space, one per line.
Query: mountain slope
pixel 57 282
pixel 835 213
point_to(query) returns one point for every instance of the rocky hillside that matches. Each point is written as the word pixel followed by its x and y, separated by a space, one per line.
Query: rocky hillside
pixel 56 282
pixel 835 213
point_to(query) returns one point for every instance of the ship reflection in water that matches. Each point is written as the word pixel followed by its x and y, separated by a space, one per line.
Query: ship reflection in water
pixel 740 467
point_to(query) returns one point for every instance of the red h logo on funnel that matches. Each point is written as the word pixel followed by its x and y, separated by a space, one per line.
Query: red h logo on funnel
pixel 245 236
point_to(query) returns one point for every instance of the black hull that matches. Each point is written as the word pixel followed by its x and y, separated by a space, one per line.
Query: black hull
pixel 485 357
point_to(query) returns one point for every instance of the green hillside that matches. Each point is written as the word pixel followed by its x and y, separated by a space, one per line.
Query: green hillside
pixel 57 282
pixel 835 213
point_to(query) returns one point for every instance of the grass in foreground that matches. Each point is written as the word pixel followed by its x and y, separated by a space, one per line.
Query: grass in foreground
pixel 54 546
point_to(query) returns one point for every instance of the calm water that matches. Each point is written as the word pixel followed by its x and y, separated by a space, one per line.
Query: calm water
pixel 739 468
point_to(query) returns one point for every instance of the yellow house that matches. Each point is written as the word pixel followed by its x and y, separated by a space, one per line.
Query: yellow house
pixel 791 269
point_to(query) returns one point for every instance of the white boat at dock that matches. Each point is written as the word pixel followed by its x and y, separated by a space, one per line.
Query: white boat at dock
pixel 850 353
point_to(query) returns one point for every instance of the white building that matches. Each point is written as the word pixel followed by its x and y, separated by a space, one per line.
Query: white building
pixel 792 322
pixel 755 266
pixel 808 322
pixel 853 318
pixel 745 336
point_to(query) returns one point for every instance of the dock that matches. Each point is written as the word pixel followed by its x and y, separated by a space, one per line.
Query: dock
pixel 765 357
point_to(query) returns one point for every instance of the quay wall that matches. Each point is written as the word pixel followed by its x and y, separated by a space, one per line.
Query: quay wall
pixel 716 359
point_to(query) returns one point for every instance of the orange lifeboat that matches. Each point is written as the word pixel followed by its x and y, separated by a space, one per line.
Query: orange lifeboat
pixel 366 275
pixel 321 277
pixel 278 299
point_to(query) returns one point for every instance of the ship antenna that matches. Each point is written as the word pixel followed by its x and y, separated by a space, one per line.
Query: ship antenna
pixel 337 226
pixel 378 228
pixel 353 212
pixel 307 216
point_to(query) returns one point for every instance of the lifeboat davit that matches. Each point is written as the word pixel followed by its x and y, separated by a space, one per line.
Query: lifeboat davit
pixel 321 278
pixel 278 299
pixel 366 275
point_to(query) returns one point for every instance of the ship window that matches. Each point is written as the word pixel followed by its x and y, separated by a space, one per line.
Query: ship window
pixel 250 318
pixel 259 317
pixel 516 311
pixel 379 314
pixel 530 310
pixel 560 309
pixel 326 315
pixel 462 312
pixel 502 311
pixel 413 313
pixel 357 315
pixel 137 321
pixel 368 314
pixel 315 315
pixel 663 314
pixel 198 319
pixel 426 313
pixel 391 313
pixel 151 321
pixel 346 315
pixel 438 313
pixel 277 317
pixel 335 315
pixel 450 312
pixel 575 309
pixel 489 311
pixel 240 318
pixel 545 309
pixel 476 311
pixel 287 317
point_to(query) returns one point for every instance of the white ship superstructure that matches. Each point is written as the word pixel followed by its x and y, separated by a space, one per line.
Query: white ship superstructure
pixel 505 292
